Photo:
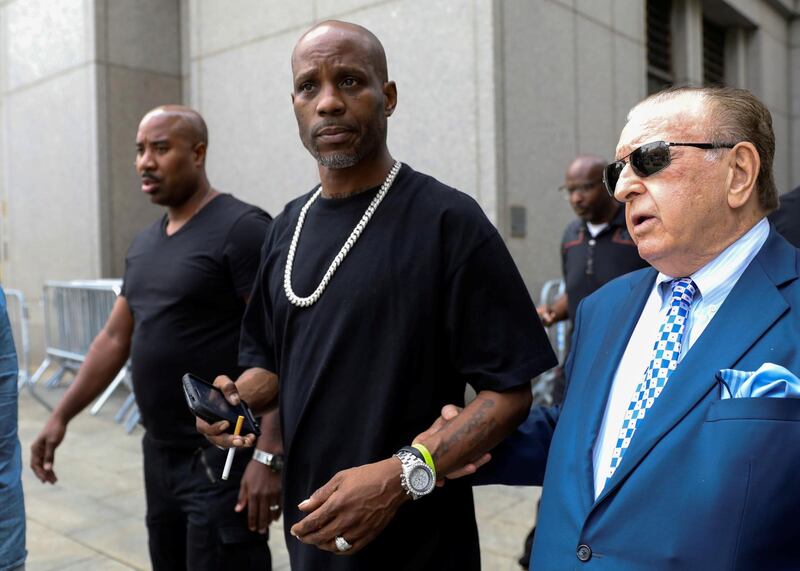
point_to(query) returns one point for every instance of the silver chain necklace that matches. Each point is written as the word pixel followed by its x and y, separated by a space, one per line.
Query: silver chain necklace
pixel 295 299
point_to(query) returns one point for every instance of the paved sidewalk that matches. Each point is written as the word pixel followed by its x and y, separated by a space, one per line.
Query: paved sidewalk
pixel 93 517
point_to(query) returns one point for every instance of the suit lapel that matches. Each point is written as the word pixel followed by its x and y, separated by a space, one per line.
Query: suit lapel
pixel 751 308
pixel 621 321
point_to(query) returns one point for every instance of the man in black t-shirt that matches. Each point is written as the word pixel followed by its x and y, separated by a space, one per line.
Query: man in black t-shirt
pixel 380 295
pixel 187 278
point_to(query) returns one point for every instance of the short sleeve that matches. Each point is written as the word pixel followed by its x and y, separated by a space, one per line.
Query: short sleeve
pixel 256 342
pixel 242 247
pixel 125 275
pixel 123 288
pixel 496 340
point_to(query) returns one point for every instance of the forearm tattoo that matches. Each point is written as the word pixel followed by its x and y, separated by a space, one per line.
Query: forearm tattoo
pixel 473 433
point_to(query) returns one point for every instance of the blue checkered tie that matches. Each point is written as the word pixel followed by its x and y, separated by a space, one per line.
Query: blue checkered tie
pixel 666 351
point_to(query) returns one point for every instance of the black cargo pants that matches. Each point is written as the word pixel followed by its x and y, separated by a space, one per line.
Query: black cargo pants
pixel 191 524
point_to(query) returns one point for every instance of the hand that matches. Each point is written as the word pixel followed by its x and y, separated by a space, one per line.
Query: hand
pixel 356 504
pixel 259 491
pixel 44 447
pixel 215 433
pixel 546 314
pixel 449 412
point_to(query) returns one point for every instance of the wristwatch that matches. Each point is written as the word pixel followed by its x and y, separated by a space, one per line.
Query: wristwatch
pixel 416 477
pixel 273 461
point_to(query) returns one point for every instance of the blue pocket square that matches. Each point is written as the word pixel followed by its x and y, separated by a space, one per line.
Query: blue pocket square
pixel 770 380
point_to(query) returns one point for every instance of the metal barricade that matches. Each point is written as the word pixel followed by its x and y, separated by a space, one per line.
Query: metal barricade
pixel 74 313
pixel 18 316
pixel 544 387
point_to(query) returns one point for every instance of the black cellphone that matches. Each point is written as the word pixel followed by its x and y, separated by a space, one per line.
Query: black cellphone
pixel 207 402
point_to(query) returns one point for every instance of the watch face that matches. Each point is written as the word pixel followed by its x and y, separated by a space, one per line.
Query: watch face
pixel 420 479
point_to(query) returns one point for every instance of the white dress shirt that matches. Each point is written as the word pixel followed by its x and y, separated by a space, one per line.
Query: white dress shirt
pixel 714 282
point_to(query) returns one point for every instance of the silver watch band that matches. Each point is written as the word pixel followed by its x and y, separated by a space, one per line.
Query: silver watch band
pixel 266 458
pixel 408 461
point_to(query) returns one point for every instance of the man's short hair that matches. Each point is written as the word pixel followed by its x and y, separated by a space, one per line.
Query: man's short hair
pixel 738 115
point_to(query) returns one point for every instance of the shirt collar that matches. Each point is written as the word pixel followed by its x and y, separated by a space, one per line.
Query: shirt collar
pixel 717 278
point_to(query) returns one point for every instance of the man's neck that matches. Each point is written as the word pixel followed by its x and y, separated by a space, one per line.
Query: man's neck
pixel 719 240
pixel 179 215
pixel 366 174
pixel 606 215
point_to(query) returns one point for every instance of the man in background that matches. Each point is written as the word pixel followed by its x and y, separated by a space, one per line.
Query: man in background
pixel 187 279
pixel 596 247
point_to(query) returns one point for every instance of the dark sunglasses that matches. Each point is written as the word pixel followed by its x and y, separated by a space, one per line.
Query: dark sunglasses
pixel 649 159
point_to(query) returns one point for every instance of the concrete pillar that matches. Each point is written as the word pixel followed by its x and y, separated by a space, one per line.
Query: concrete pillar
pixel 736 40
pixel 687 41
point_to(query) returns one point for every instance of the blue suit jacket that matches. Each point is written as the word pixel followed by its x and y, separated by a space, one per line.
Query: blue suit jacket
pixel 706 483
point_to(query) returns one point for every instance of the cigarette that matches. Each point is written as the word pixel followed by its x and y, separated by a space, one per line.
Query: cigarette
pixel 231 451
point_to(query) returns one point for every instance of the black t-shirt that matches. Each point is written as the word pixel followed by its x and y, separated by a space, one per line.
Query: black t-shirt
pixel 186 293
pixel 590 262
pixel 426 301
pixel 787 218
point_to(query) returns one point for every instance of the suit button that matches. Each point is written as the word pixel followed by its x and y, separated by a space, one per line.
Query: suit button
pixel 584 553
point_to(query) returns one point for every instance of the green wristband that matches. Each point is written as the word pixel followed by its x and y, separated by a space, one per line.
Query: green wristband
pixel 427 455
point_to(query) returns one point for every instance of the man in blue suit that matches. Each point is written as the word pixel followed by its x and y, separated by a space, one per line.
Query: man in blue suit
pixel 649 464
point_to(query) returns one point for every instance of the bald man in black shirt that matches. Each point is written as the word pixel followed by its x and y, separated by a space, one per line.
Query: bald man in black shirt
pixel 596 246
pixel 186 280
pixel 381 294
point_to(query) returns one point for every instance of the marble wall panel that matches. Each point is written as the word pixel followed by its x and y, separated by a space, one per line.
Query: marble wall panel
pixel 629 19
pixel 595 88
pixel 601 11
pixel 541 129
pixel 630 78
pixel 222 24
pixel 44 38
